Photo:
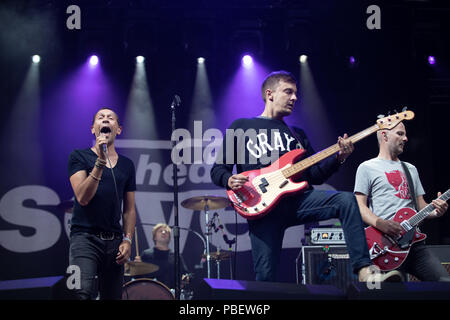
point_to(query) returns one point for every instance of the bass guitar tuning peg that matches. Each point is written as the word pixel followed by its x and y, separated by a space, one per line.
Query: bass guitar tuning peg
pixel 380 116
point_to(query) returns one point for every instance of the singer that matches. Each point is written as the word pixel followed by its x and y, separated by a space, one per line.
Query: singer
pixel 101 180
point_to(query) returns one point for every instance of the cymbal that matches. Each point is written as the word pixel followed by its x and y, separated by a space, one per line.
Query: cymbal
pixel 200 202
pixel 218 255
pixel 136 268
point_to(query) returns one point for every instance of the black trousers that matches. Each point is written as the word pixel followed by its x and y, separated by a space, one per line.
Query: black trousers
pixel 99 271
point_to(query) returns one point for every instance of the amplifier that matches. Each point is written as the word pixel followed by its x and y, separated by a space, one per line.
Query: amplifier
pixel 327 236
pixel 327 265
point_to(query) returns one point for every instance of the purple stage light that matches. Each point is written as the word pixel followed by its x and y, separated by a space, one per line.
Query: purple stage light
pixel 93 60
pixel 431 60
pixel 352 60
pixel 247 61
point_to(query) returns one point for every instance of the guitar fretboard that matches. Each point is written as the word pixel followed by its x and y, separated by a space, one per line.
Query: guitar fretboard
pixel 319 156
pixel 425 212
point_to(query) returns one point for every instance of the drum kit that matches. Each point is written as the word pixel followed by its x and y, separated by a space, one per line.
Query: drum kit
pixel 206 203
pixel 144 288
pixel 151 289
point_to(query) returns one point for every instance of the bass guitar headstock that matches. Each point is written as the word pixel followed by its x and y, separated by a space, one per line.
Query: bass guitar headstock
pixel 391 121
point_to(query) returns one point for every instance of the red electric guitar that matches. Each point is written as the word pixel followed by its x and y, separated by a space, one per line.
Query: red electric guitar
pixel 268 185
pixel 388 253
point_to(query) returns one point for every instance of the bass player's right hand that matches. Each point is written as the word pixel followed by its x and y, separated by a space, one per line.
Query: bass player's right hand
pixel 236 181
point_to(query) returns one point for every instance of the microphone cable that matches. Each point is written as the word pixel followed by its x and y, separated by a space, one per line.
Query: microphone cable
pixel 114 178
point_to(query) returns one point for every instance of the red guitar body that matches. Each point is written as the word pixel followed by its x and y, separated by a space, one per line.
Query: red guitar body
pixel 266 187
pixel 388 253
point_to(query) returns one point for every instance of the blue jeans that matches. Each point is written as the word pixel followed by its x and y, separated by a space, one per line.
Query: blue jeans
pixel 266 234
pixel 96 258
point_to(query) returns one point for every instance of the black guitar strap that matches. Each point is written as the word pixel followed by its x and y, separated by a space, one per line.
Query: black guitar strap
pixel 292 130
pixel 410 185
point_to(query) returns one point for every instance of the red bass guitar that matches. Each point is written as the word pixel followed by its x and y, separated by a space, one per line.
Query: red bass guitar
pixel 389 253
pixel 268 185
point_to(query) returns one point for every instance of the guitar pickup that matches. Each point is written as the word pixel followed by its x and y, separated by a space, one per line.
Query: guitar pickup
pixel 406 225
pixel 285 182
pixel 263 185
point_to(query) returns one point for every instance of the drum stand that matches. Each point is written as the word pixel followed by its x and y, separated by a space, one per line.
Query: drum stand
pixel 205 203
pixel 208 234
pixel 218 268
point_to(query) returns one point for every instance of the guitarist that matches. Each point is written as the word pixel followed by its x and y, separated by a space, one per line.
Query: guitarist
pixel 382 188
pixel 257 142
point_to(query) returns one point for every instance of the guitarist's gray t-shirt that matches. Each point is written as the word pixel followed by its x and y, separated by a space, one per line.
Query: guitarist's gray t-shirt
pixel 386 187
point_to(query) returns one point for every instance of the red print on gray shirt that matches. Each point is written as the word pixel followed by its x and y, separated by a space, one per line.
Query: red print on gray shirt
pixel 398 180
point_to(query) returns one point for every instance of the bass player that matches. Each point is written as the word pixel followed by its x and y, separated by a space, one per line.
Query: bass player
pixel 254 143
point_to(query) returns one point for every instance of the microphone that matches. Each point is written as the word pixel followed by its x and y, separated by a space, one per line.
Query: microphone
pixel 176 102
pixel 105 130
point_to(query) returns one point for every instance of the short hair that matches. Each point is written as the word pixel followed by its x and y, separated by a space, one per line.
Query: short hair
pixel 159 226
pixel 106 108
pixel 273 80
pixel 379 136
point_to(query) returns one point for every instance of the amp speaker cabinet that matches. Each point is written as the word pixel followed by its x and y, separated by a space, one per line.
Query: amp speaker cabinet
pixel 327 265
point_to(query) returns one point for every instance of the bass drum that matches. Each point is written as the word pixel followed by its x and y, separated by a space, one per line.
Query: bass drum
pixel 146 289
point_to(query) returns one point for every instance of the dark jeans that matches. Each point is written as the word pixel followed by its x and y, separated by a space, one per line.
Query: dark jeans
pixel 423 264
pixel 266 234
pixel 97 258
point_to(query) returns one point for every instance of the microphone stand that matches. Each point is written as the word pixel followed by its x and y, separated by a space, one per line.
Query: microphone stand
pixel 176 232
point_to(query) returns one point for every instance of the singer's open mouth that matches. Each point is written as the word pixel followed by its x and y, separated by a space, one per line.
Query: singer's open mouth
pixel 105 130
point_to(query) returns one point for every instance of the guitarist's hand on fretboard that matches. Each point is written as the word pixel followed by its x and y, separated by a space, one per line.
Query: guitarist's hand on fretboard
pixel 440 205
pixel 346 148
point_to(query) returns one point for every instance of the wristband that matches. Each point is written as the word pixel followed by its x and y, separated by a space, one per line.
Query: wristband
pixel 100 163
pixel 126 239
pixel 94 177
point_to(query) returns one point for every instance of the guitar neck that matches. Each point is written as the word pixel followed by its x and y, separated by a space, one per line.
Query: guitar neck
pixel 319 156
pixel 425 212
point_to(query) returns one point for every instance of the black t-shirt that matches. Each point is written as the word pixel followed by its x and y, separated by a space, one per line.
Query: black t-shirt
pixel 254 143
pixel 102 213
pixel 165 260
